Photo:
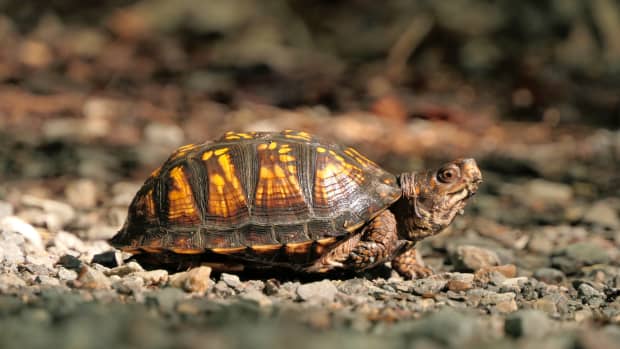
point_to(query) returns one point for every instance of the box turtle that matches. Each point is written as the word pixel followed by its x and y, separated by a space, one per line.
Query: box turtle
pixel 263 199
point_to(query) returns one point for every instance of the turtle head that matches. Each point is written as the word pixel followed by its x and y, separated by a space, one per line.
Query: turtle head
pixel 432 199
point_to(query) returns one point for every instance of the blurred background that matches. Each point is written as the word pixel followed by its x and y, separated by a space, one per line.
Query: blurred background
pixel 106 90
pixel 95 95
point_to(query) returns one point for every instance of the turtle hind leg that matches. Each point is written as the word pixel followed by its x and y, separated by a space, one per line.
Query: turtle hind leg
pixel 377 243
pixel 409 265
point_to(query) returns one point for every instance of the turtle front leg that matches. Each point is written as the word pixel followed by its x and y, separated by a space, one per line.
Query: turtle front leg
pixel 377 243
pixel 409 265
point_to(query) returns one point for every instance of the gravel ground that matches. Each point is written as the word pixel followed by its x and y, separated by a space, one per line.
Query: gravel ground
pixel 534 262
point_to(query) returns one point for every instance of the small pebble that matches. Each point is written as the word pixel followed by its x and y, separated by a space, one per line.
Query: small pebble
pixel 70 262
pixel 110 259
pixel 152 277
pixel 472 258
pixel 195 280
pixel 15 225
pixel 92 278
pixel 321 291
pixel 550 276
pixel 231 280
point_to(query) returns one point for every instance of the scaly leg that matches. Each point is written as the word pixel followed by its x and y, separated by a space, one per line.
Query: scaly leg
pixel 410 265
pixel 377 243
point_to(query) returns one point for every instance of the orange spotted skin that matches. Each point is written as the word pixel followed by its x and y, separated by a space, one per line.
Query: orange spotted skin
pixel 271 198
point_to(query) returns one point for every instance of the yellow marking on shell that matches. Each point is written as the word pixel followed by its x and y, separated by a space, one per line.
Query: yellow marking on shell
pixel 299 136
pixel 332 175
pixel 284 150
pixel 327 241
pixel 228 250
pixel 187 250
pixel 272 145
pixel 364 161
pixel 181 201
pixel 277 184
pixel 156 172
pixel 323 245
pixel 262 146
pixel 265 248
pixel 278 171
pixel 226 196
pixel 287 158
pixel 298 247
pixel 232 135
pixel 150 204
pixel 218 181
pixel 220 151
pixel 321 149
pixel 207 155
pixel 182 150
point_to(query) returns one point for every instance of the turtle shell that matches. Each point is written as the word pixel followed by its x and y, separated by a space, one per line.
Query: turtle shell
pixel 256 194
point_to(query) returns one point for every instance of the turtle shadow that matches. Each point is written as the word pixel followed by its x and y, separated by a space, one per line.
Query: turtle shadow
pixel 250 272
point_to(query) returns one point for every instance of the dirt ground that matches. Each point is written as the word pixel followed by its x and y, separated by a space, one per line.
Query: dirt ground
pixel 94 98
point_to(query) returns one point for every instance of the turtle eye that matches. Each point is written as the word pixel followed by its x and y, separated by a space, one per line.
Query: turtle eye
pixel 448 174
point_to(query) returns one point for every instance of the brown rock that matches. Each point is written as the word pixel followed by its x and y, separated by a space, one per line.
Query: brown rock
pixel 468 257
pixel 485 275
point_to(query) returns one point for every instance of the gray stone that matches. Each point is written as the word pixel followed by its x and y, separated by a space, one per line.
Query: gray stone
pixel 323 291
pixel 603 214
pixel 153 277
pixel 447 326
pixel 65 274
pixel 58 213
pixel 527 323
pixel 130 285
pixel 166 298
pixel 14 225
pixel 11 253
pixel 231 280
pixel 429 286
pixel 590 295
pixel 67 243
pixel 550 276
pixel 574 257
pixel 472 258
pixel 222 289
